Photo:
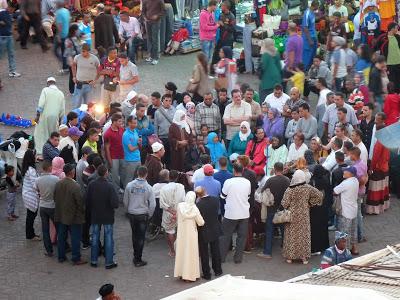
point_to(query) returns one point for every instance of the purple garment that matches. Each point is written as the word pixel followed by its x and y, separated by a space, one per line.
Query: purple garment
pixel 275 127
pixel 362 170
pixel 294 43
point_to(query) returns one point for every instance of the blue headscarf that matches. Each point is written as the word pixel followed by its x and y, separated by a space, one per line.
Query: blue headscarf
pixel 217 149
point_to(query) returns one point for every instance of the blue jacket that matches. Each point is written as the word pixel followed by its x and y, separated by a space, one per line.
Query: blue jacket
pixel 145 131
pixel 5 29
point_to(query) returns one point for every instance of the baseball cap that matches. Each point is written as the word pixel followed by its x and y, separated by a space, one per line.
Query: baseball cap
pixel 208 170
pixel 62 127
pixel 351 170
pixel 156 147
pixel 74 131
pixel 51 79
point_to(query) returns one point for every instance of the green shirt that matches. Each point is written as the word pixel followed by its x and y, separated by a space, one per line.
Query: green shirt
pixel 393 57
pixel 271 71
pixel 92 145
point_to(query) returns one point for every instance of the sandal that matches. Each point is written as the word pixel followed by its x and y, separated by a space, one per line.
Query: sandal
pixel 289 261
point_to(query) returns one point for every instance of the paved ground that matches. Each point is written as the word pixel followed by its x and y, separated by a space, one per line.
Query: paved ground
pixel 27 274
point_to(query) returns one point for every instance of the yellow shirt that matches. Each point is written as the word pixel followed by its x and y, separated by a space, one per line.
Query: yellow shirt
pixel 298 81
pixel 91 145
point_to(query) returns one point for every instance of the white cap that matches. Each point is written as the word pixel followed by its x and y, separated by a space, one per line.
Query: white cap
pixel 100 6
pixel 62 127
pixel 156 147
pixel 131 95
pixel 51 79
pixel 83 107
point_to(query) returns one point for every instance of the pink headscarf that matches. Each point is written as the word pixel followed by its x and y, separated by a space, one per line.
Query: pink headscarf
pixel 57 166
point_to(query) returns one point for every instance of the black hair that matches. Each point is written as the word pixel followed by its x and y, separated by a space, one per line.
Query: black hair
pixel 305 106
pixel 72 30
pixel 342 109
pixel 54 134
pixel 166 96
pixel 97 161
pixel 156 95
pixel 47 164
pixel 237 167
pixel 29 160
pixel 142 171
pixel 338 142
pixel 173 175
pixel 102 170
pixel 223 161
pixel 278 166
pixel 8 168
pixel 71 116
pixel 234 91
pixel 130 119
pixel 111 48
pixel 339 155
pixel 322 81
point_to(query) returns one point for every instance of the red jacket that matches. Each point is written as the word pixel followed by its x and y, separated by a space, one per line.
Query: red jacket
pixel 392 108
pixel 256 153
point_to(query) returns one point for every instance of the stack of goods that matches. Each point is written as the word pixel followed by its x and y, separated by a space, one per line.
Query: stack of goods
pixel 242 9
pixel 256 37
pixel 193 43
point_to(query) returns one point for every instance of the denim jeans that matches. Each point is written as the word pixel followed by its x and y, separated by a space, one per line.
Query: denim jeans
pixel 47 214
pixel 139 227
pixel 76 232
pixel 117 171
pixel 360 220
pixel 269 231
pixel 81 96
pixel 339 84
pixel 59 49
pixel 11 201
pixel 153 39
pixel 207 48
pixel 133 45
pixel 7 44
pixel 108 243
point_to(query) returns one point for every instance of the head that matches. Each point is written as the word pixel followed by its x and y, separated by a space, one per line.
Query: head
pixel 208 99
pixel 342 114
pixel 315 144
pixel 155 99
pixel 204 130
pixel 166 101
pixel 337 16
pixel 237 169
pixel 142 172
pixel 190 108
pixel 356 136
pixel 330 98
pixel 298 139
pixel 314 5
pixel 278 91
pixel 170 88
pixel 273 113
pixel 337 144
pixel 9 170
pixel 158 150
pixel 338 41
pixel 321 83
pixel 102 171
pixel 304 110
pixel 364 52
pixel 268 46
pixel 200 192
pixel 115 10
pixel 339 99
pixel 294 93
pixel 163 176
pixel 60 3
pixel 339 156
pixel 248 95
pixel 112 53
pixel 347 146
pixel 123 58
pixel 380 62
pixel 212 138
pixel 186 98
pixel 295 114
pixel 63 130
pixel 309 157
pixel 393 28
pixel 317 61
pixel 259 134
pixel 244 127
pixel 301 163
pixel 349 172
pixel 367 110
pixel 223 95
pixel 72 118
pixel 236 97
pixel 276 142
pixel 73 31
pixel 264 108
pixel 391 88
pixel 93 135
pixel 338 3
pixel 69 170
pixel 278 168
pixel 340 131
pixel 85 50
pixel 117 121
pixel 223 163
pixel 212 5
pixel 54 139
pixel 226 52
pixel 208 170
pixel 292 28
pixel 225 7
pixel 74 133
pixel 341 240
pixel 173 175
pixel 124 16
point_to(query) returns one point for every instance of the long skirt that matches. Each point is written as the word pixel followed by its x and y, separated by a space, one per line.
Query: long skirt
pixel 378 193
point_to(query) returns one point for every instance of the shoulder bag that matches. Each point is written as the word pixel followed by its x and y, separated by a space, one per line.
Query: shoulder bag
pixel 282 216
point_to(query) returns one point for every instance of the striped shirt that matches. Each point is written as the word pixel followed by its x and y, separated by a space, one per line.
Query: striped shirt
pixel 208 115
pixel 30 194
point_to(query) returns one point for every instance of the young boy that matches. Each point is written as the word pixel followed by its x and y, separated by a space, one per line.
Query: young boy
pixel 291 127
pixel 11 192
pixel 93 138
pixel 298 77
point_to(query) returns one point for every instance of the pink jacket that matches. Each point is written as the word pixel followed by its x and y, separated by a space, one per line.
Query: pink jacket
pixel 208 27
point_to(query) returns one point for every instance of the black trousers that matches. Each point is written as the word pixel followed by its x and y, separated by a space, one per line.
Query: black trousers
pixel 167 156
pixel 30 220
pixel 139 227
pixel 215 257
pixel 394 76
pixel 35 21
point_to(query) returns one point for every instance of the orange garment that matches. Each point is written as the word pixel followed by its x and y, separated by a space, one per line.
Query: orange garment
pixel 385 23
pixel 387 8
pixel 380 158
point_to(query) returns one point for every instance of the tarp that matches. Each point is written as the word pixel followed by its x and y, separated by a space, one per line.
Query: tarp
pixel 390 136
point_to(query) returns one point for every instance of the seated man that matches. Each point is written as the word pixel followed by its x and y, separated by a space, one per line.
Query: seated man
pixel 338 253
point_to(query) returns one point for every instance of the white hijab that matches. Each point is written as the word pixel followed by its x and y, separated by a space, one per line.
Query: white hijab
pixel 188 208
pixel 243 136
pixel 178 116
pixel 298 177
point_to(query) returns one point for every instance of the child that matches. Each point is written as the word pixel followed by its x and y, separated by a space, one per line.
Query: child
pixel 217 149
pixel 203 134
pixel 298 77
pixel 93 138
pixel 11 192
pixel 291 127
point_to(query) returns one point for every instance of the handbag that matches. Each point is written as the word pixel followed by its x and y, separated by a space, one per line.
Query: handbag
pixel 192 87
pixel 109 85
pixel 154 139
pixel 282 216
pixel 221 82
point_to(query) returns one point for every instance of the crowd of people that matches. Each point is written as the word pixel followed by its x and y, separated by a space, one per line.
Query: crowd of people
pixel 204 165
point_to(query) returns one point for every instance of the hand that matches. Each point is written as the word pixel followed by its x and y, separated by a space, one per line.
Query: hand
pixel 74 79
pixel 37 120
pixel 140 141
pixel 92 83
pixel 26 18
pixel 115 80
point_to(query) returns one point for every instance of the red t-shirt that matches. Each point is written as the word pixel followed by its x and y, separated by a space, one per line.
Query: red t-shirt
pixel 114 66
pixel 114 138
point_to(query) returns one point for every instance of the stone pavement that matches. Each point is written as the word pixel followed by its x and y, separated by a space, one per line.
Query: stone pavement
pixel 25 273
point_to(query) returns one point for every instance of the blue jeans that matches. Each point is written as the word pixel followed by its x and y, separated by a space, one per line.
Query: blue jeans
pixel 60 53
pixel 133 45
pixel 269 231
pixel 360 220
pixel 81 96
pixel 108 243
pixel 207 48
pixel 7 44
pixel 76 233
pixel 339 84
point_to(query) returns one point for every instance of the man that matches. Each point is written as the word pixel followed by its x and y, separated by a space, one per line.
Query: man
pixel 208 29
pixel 140 203
pixel 321 84
pixel 48 7
pixel 155 104
pixel 319 79
pixel 105 31
pixel 110 69
pixel 376 91
pixel 128 76
pixel 255 107
pixel 170 195
pixel 130 34
pixel 154 164
pixel 101 201
pixel 391 50
pixel 51 109
pixel 367 124
pixel 357 137
pixel 31 17
pixel 330 117
pixel 293 52
pixel 277 99
pixel 115 12
pixel 113 149
pixel 309 34
pixel 292 103
pixel 338 253
pixel 152 10
pixel 222 102
pixel 199 173
pixel 210 233
pixel 330 162
pixel 235 113
pixel 277 186
pixel 82 165
pixel 338 63
pixel 7 40
pixel 68 145
pixel 338 8
pixel 380 118
pixel 145 129
pixel 69 215
pixel 50 149
pixel 336 29
pixel 212 186
pixel 236 192
pixel 162 121
pixel 62 20
pixel 45 185
pixel 207 113
pixel 84 74
pixel 320 111
pixel 129 104
pixel 297 148
pixel 342 120
pixel 86 30
pixel 307 124
pixel 131 143
pixel 222 175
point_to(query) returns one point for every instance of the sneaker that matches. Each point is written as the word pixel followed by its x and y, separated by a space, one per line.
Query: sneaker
pixel 332 228
pixel 154 62
pixel 247 251
pixel 112 266
pixel 85 247
pixel 316 253
pixel 149 59
pixel 63 71
pixel 140 263
pixel 211 77
pixel 262 255
pixel 14 74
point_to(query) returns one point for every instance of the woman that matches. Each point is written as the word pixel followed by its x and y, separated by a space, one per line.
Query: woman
pixel 301 164
pixel 270 68
pixel 391 105
pixel 30 195
pixel 360 91
pixel 226 69
pixel 72 46
pixel 186 99
pixel 363 64
pixel 319 215
pixel 310 160
pixel 179 138
pixel 316 148
pixel 298 199
pixel 240 140
pixel 187 264
pixel 57 165
pixel 275 152
pixel 198 84
pixel 190 109
pixel 255 150
pixel 274 124
pixel 217 149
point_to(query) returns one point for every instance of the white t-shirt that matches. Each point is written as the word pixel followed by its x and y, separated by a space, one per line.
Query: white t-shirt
pixel 342 9
pixel 236 192
pixel 364 152
pixel 348 191
pixel 356 22
pixel 330 162
pixel 322 96
pixel 277 103
pixel 294 153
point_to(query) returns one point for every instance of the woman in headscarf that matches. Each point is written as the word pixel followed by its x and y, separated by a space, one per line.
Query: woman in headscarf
pixel 217 149
pixel 57 165
pixel 274 124
pixel 391 105
pixel 226 68
pixel 270 70
pixel 190 109
pixel 179 138
pixel 240 140
pixel 275 152
pixel 187 264
pixel 298 199
pixel 319 215
pixel 255 150
pixel 310 160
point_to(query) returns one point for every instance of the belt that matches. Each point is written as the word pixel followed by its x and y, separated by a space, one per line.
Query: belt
pixel 84 82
